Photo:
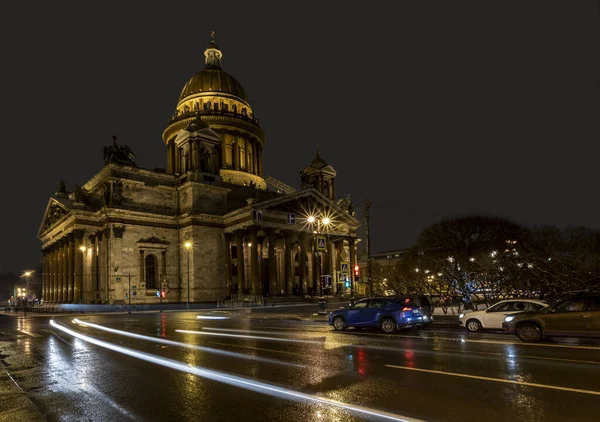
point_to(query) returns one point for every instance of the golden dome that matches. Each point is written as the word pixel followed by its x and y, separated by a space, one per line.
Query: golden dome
pixel 213 79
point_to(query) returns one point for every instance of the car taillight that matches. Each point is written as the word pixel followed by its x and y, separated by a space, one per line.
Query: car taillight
pixel 406 309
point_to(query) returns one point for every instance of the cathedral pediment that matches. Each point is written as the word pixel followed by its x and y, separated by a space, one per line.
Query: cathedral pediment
pixel 305 203
pixel 197 132
pixel 55 212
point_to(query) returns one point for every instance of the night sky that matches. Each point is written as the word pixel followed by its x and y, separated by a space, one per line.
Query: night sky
pixel 428 109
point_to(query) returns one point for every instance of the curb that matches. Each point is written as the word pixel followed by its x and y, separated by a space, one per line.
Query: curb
pixel 15 405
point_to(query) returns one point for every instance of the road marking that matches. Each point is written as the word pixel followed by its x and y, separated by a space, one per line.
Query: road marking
pixel 527 384
pixel 482 341
pixel 593 362
pixel 29 333
pixel 257 348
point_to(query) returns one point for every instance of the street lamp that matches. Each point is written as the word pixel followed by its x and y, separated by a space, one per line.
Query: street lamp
pixel 188 246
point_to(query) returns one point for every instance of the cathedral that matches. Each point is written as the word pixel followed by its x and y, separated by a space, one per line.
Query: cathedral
pixel 209 227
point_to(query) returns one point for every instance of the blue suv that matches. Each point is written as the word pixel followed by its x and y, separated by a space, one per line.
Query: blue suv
pixel 389 314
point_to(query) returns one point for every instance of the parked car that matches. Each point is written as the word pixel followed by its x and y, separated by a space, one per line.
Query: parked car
pixel 573 316
pixel 389 314
pixel 493 317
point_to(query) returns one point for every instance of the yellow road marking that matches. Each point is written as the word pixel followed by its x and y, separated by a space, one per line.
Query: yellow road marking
pixel 528 384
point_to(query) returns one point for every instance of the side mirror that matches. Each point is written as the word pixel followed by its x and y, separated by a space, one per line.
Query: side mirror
pixel 487 311
pixel 551 310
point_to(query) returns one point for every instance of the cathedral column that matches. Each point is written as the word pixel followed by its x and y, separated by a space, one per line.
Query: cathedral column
pixel 64 269
pixel 236 155
pixel 228 281
pixel 48 278
pixel 241 281
pixel 177 160
pixel 316 259
pixel 79 257
pixel 328 267
pixel 91 293
pixel 56 276
pixel 58 271
pixel 287 261
pixel 302 264
pixel 44 277
pixel 52 273
pixel 254 263
pixel 259 159
pixel 194 156
pixel 70 266
pixel 273 287
pixel 339 248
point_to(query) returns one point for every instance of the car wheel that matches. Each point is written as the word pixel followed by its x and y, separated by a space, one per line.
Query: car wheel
pixel 473 325
pixel 339 324
pixel 388 325
pixel 529 333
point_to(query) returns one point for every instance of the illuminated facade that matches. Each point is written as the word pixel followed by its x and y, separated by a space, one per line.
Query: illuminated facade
pixel 210 217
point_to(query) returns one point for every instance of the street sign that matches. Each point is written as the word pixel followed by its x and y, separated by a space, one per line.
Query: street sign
pixel 344 267
pixel 126 295
pixel 291 218
pixel 118 278
pixel 134 294
pixel 321 243
pixel 257 215
pixel 133 287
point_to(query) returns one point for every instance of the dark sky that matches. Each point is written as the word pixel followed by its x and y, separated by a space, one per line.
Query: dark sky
pixel 427 109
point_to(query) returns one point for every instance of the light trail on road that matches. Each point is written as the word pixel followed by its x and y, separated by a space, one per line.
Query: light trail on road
pixel 186 345
pixel 256 386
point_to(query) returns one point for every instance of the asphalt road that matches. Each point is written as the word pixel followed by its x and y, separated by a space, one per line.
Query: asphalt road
pixel 183 368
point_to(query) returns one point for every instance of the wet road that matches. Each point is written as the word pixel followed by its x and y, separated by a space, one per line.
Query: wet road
pixel 179 367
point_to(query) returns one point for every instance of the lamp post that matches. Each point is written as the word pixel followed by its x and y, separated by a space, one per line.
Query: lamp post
pixel 26 291
pixel 188 246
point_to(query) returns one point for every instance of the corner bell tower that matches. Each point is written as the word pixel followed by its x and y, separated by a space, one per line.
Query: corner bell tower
pixel 320 176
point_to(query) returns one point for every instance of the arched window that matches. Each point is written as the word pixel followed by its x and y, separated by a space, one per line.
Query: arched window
pixel 151 267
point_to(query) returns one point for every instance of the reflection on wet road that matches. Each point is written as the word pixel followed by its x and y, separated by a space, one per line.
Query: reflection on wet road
pixel 176 366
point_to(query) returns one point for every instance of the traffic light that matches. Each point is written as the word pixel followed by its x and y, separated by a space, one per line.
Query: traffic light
pixel 356 273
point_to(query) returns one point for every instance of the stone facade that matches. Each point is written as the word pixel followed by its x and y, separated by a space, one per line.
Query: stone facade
pixel 206 229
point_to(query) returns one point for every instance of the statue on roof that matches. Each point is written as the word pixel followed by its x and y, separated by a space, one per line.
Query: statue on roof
pixel 61 187
pixel 118 154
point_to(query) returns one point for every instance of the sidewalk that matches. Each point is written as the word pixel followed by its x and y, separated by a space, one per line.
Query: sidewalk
pixel 14 403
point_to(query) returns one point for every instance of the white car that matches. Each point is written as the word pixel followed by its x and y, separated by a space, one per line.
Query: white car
pixel 493 316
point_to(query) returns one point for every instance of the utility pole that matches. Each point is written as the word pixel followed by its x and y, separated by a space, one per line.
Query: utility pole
pixel 368 233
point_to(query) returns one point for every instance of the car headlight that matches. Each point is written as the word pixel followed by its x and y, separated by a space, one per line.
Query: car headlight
pixel 461 316
pixel 509 318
